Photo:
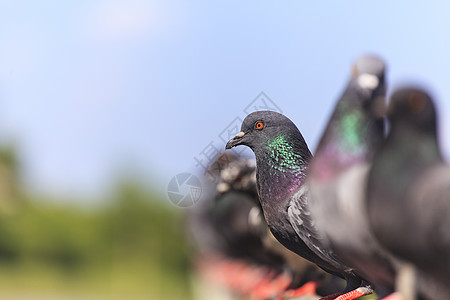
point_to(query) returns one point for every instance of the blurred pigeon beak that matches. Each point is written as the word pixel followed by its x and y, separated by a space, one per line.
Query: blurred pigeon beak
pixel 235 141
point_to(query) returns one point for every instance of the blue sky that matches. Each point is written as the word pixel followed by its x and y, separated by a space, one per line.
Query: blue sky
pixel 89 88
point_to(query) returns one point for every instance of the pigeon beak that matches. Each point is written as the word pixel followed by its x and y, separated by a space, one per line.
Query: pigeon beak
pixel 235 141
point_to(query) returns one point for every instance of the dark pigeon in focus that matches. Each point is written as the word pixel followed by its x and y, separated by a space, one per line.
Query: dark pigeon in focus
pixel 338 174
pixel 282 159
pixel 409 192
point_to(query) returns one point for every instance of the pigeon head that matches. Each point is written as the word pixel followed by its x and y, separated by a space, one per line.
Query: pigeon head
pixel 371 68
pixel 261 126
pixel 414 107
pixel 280 150
pixel 238 174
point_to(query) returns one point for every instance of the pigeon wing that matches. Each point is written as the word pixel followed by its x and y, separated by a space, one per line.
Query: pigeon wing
pixel 300 218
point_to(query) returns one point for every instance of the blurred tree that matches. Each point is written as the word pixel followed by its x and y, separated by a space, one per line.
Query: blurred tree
pixel 9 178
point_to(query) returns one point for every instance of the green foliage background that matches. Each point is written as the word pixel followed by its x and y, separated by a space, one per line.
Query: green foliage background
pixel 132 246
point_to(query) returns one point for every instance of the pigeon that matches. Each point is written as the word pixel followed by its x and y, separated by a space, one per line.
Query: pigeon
pixel 282 160
pixel 338 173
pixel 408 192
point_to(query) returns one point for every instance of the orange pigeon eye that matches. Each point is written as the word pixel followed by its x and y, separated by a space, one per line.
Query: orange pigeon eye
pixel 259 125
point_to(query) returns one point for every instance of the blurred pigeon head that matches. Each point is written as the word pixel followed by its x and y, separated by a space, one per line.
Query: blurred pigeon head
pixel 414 107
pixel 234 173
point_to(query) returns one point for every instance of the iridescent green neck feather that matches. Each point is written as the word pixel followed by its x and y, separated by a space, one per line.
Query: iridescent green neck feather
pixel 281 167
pixel 350 131
pixel 283 156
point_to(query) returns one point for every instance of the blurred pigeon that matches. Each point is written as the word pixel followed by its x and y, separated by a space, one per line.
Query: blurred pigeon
pixel 338 174
pixel 238 220
pixel 230 223
pixel 233 212
pixel 409 192
pixel 282 159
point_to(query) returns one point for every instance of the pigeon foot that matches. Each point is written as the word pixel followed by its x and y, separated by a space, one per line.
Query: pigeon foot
pixel 331 297
pixel 359 292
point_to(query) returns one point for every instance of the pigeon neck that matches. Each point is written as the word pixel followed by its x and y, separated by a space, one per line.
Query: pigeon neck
pixel 281 168
pixel 351 137
pixel 420 147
